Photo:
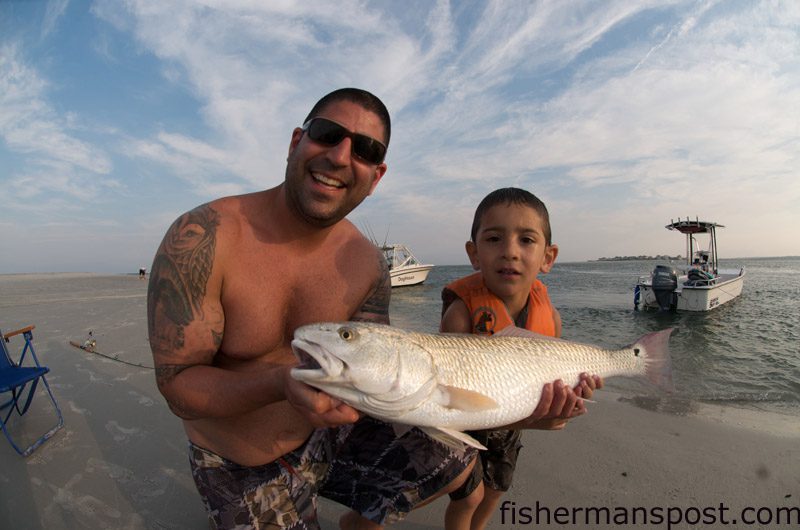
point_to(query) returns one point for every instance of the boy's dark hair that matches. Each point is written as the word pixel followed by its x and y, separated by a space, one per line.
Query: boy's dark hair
pixel 512 196
pixel 360 97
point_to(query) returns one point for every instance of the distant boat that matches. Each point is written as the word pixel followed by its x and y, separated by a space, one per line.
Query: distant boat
pixel 404 267
pixel 701 287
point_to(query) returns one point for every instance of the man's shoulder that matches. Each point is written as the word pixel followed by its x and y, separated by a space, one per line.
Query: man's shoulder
pixel 218 224
pixel 346 232
pixel 232 212
pixel 364 257
pixel 216 208
pixel 236 206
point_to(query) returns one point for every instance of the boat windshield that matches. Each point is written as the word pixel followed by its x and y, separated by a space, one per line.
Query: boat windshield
pixel 398 256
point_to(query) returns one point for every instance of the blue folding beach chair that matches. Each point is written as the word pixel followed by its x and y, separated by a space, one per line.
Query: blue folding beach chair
pixel 14 377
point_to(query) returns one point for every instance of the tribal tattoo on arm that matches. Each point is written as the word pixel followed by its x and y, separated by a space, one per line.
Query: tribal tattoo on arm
pixel 376 306
pixel 177 288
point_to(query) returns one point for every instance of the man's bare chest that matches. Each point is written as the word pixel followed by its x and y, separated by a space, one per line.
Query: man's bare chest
pixel 264 303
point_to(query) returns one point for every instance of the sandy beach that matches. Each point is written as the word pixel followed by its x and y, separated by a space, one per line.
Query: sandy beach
pixel 120 460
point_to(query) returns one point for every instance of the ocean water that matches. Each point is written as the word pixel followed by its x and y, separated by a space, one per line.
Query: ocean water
pixel 745 353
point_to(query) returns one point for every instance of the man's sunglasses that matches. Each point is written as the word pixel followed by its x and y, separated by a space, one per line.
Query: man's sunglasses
pixel 330 133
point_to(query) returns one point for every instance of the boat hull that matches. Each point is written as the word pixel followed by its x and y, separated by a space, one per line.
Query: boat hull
pixel 697 298
pixel 413 275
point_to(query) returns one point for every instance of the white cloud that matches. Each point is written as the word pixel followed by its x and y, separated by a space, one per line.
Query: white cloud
pixel 55 10
pixel 31 128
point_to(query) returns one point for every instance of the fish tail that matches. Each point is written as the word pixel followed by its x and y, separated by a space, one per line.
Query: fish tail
pixel 657 364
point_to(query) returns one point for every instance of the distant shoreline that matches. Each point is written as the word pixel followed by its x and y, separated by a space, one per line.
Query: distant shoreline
pixel 642 258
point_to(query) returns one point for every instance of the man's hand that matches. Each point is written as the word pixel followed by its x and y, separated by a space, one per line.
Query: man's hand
pixel 320 409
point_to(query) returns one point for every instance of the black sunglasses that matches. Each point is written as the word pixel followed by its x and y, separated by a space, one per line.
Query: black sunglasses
pixel 330 133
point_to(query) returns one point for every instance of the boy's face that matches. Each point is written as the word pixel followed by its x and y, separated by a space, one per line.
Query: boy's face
pixel 510 249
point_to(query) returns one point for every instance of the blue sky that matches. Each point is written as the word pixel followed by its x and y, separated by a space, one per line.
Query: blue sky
pixel 116 117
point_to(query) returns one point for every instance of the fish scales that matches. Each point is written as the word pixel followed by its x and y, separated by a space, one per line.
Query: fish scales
pixel 512 371
pixel 458 382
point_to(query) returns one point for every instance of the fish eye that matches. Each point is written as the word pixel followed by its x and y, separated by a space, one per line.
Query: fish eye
pixel 347 334
pixel 636 352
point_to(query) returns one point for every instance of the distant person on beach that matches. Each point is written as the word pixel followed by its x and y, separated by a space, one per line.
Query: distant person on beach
pixel 142 273
pixel 510 245
pixel 230 283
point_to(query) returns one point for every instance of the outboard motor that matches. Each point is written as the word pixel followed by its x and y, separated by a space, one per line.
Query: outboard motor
pixel 665 281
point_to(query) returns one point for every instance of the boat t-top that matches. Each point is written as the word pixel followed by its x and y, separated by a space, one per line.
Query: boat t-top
pixel 702 286
pixel 404 267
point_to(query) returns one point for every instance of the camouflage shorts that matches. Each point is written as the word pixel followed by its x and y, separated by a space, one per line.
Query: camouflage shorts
pixel 495 466
pixel 281 494
pixel 384 477
pixel 363 466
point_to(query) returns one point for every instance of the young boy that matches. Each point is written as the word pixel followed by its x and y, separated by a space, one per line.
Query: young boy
pixel 510 246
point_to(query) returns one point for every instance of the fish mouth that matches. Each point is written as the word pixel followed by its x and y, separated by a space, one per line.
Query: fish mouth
pixel 307 361
pixel 316 364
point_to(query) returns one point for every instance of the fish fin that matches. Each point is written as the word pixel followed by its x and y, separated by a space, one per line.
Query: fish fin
pixel 657 367
pixel 452 438
pixel 467 400
pixel 514 331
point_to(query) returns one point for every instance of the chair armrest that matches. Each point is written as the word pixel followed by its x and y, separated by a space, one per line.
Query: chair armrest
pixel 6 336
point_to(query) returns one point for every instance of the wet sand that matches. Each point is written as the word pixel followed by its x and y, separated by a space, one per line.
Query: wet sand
pixel 120 461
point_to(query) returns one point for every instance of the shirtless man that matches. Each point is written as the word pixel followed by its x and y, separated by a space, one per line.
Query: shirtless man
pixel 231 282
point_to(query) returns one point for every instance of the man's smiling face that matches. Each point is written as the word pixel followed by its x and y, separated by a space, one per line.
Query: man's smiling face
pixel 325 183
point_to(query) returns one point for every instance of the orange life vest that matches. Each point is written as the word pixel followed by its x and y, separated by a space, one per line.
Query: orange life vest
pixel 489 314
